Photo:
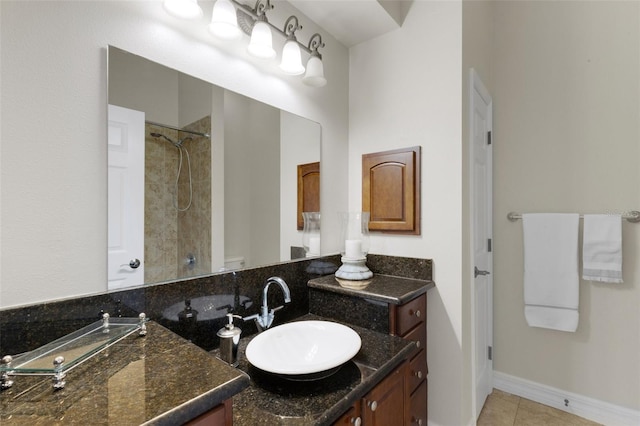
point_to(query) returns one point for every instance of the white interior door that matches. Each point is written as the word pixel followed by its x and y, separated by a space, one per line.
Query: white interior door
pixel 126 197
pixel 481 193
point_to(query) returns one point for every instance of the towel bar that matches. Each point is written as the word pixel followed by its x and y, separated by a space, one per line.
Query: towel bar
pixel 631 216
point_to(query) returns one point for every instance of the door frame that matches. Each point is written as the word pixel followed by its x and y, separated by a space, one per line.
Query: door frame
pixel 476 86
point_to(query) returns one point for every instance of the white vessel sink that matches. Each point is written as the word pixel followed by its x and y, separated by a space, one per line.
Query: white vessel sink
pixel 303 350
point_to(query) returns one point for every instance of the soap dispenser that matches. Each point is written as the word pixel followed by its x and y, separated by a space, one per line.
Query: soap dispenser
pixel 188 321
pixel 229 340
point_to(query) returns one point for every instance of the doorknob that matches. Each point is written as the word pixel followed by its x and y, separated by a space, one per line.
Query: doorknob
pixel 477 272
pixel 134 263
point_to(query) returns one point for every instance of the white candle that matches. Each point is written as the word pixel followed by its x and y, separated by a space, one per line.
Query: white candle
pixel 314 245
pixel 353 249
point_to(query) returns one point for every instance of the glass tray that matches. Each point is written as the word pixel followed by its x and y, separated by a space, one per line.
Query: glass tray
pixel 60 356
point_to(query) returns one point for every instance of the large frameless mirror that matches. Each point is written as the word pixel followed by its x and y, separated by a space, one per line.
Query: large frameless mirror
pixel 201 179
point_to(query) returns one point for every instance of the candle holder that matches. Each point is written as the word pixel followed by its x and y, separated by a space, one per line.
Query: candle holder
pixel 354 272
pixel 311 233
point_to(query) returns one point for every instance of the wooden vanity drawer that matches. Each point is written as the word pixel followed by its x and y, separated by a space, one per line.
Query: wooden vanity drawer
pixel 410 314
pixel 417 370
pixel 418 335
pixel 418 409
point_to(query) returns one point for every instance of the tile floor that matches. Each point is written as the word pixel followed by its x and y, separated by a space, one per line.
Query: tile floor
pixel 504 409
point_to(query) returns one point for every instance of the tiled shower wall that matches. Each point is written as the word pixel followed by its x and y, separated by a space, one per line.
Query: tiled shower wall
pixel 160 218
pixel 194 224
pixel 169 235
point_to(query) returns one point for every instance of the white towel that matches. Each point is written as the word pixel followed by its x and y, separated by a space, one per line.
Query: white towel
pixel 551 281
pixel 602 248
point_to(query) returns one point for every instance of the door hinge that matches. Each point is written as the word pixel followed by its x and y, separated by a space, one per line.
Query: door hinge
pixel 489 245
pixel 489 137
pixel 490 353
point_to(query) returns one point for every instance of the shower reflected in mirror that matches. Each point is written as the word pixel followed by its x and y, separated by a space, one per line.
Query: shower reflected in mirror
pixel 220 173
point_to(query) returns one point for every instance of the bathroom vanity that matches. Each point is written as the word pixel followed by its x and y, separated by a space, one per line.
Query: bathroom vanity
pixel 161 379
pixel 172 377
pixel 389 304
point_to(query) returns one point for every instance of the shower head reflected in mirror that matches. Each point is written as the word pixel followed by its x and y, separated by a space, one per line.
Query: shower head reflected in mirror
pixel 177 144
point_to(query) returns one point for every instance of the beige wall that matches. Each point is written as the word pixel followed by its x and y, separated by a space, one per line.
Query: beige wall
pixel 567 139
pixel 405 91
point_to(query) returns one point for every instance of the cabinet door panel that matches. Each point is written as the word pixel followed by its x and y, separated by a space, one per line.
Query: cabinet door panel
pixel 385 404
pixel 218 416
pixel 391 190
pixel 351 417
pixel 308 190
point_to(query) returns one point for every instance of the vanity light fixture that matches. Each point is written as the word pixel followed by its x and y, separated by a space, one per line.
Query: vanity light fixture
pixel 224 23
pixel 315 69
pixel 261 44
pixel 291 57
pixel 254 22
pixel 185 9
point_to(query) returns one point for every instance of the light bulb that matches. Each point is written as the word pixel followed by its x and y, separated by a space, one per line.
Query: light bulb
pixel 185 9
pixel 224 23
pixel 315 72
pixel 291 58
pixel 261 45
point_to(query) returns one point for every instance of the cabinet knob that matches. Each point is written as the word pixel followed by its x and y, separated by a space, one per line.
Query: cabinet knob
pixel 415 313
pixel 418 374
pixel 416 421
pixel 372 405
pixel 357 421
pixel 418 344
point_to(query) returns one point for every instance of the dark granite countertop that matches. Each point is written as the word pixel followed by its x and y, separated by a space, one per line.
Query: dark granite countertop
pixel 160 379
pixel 270 400
pixel 383 288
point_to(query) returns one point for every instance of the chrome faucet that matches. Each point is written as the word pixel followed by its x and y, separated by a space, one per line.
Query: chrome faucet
pixel 265 318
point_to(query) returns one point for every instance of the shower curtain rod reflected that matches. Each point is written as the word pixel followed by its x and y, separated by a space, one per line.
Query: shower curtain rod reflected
pixel 206 135
pixel 631 216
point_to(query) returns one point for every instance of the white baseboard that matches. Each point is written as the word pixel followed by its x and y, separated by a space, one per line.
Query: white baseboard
pixel 580 405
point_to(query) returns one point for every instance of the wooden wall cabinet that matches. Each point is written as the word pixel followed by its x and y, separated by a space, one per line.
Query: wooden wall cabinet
pixel 391 190
pixel 308 190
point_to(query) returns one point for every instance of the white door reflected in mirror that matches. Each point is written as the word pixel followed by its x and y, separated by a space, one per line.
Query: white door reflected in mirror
pixel 125 197
pixel 243 184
